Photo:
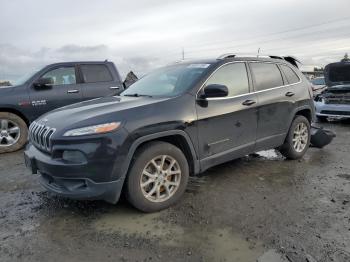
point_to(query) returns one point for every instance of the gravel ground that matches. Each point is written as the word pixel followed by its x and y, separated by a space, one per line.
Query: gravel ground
pixel 261 207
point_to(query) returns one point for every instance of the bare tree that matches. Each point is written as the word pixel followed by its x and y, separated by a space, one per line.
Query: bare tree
pixel 346 58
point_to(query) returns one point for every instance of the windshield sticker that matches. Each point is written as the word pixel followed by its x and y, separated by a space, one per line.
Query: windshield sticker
pixel 198 66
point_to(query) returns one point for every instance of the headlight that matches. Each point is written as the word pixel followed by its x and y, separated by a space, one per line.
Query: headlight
pixel 90 130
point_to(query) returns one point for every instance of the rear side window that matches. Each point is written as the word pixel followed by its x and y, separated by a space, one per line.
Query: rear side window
pixel 95 73
pixel 291 76
pixel 234 76
pixel 266 76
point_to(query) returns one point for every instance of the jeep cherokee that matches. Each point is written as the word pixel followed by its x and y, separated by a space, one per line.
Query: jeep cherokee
pixel 177 121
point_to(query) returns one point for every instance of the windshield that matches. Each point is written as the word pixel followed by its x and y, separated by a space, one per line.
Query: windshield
pixel 339 73
pixel 318 81
pixel 21 80
pixel 167 81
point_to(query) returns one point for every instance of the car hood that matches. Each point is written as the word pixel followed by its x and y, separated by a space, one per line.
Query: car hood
pixel 96 111
pixel 336 90
pixel 337 74
pixel 5 87
pixel 5 91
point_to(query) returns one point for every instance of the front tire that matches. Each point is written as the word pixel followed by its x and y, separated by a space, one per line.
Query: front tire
pixel 158 177
pixel 298 138
pixel 13 132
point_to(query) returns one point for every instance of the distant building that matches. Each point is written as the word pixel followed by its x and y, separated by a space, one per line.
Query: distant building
pixel 5 83
pixel 317 72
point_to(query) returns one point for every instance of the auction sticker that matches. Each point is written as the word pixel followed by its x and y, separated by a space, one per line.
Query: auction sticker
pixel 198 66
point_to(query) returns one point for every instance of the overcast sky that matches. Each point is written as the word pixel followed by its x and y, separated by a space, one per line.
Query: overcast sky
pixel 144 34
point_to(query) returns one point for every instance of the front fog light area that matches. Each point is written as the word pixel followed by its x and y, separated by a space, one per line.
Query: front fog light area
pixel 73 156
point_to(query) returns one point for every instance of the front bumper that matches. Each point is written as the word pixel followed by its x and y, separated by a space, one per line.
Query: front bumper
pixel 332 110
pixel 93 179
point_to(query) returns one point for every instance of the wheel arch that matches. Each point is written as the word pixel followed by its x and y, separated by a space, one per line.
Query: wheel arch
pixel 16 112
pixel 306 112
pixel 177 138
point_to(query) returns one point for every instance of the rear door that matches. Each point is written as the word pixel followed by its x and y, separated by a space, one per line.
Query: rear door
pixel 275 104
pixel 227 126
pixel 64 90
pixel 98 81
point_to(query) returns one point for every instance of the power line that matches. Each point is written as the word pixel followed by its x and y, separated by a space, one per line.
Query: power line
pixel 252 43
pixel 265 35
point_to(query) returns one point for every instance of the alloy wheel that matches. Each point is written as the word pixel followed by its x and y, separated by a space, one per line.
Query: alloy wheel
pixel 300 137
pixel 160 178
pixel 9 133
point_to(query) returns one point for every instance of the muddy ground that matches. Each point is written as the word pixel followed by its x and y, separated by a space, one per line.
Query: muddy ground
pixel 258 207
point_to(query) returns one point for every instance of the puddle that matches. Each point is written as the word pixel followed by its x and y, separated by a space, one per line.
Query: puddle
pixel 272 255
pixel 132 223
pixel 214 244
pixel 269 155
pixel 218 244
pixel 345 176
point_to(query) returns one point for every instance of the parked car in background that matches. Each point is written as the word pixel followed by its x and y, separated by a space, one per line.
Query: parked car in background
pixel 54 86
pixel 177 121
pixel 334 101
pixel 318 84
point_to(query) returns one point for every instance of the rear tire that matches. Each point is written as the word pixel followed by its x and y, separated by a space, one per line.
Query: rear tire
pixel 13 132
pixel 298 138
pixel 157 178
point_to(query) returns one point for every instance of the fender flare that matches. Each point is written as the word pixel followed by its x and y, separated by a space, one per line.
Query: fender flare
pixel 303 107
pixel 154 136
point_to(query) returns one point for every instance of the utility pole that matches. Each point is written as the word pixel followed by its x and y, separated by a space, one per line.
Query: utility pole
pixel 183 53
pixel 258 52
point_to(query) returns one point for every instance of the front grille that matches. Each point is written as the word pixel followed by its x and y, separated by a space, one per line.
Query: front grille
pixel 342 100
pixel 329 112
pixel 40 136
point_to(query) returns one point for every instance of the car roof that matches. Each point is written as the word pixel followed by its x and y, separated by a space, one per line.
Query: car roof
pixel 80 62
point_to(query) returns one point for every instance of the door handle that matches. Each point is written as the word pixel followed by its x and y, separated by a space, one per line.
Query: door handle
pixel 248 102
pixel 73 91
pixel 290 94
pixel 114 87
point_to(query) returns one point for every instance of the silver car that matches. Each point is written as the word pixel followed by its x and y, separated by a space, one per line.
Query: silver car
pixel 334 101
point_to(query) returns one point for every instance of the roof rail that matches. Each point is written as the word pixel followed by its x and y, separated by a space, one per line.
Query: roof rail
pixel 291 59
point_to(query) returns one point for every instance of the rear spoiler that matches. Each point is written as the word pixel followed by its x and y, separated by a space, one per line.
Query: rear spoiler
pixel 290 59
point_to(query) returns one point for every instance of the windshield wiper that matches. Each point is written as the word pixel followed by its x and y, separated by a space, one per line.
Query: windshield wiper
pixel 137 95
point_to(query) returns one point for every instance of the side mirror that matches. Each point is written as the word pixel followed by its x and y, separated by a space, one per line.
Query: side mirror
pixel 44 82
pixel 214 90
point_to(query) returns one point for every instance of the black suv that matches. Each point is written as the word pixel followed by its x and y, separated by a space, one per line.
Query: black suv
pixel 177 121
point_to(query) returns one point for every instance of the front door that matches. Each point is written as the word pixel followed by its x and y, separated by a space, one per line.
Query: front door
pixel 64 90
pixel 227 126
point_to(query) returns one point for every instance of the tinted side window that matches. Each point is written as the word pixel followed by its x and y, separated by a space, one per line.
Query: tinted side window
pixel 266 76
pixel 95 73
pixel 234 76
pixel 62 76
pixel 291 76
